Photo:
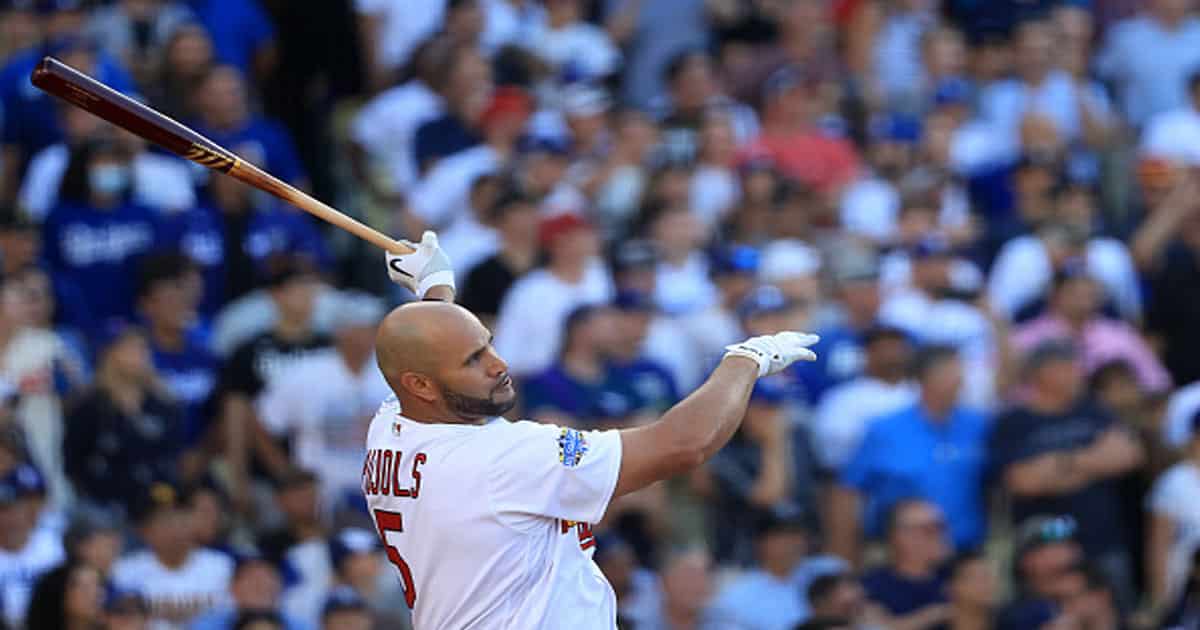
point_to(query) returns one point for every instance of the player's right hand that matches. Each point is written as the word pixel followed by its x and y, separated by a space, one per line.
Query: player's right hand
pixel 425 268
pixel 775 352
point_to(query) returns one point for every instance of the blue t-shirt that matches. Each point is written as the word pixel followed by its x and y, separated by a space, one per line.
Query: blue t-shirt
pixel 650 381
pixel 239 28
pixel 29 116
pixel 98 252
pixel 901 595
pixel 190 375
pixel 441 137
pixel 906 454
pixel 1022 434
pixel 201 233
pixel 839 359
pixel 608 399
pixel 263 142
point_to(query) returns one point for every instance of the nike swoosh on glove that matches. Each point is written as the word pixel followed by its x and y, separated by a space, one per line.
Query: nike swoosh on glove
pixel 425 268
pixel 775 352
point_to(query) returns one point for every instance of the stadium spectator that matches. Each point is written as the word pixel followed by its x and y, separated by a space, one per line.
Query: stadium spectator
pixel 68 597
pixel 321 404
pixel 911 587
pixel 638 591
pixel 255 586
pixel 515 219
pixel 687 590
pixel 768 468
pixel 136 32
pixel 345 610
pixel 973 591
pixel 538 303
pixel 768 595
pixel 178 580
pixel 1166 30
pixel 1165 247
pixel 186 58
pixel 574 49
pixel 1060 454
pixel 94 237
pixel 1173 537
pixel 632 353
pixel 945 463
pixel 1046 553
pixel 1074 315
pixel 125 433
pixel 167 305
pixel 26 550
pixel 1168 134
pixel 465 85
pixel 358 563
pixel 847 411
pixel 126 611
pixel 840 596
pixel 96 541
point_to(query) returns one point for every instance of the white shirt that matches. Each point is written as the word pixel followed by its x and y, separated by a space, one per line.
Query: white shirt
pixel 686 288
pixel 490 526
pixel 20 569
pixel 176 596
pixel 580 46
pixel 712 194
pixel 529 326
pixel 1176 495
pixel 441 197
pixel 1022 272
pixel 1174 135
pixel 1182 406
pixel 847 410
pixel 404 25
pixel 1149 64
pixel 506 24
pixel 30 356
pixel 327 409
pixel 1004 103
pixel 160 182
pixel 467 242
pixel 387 126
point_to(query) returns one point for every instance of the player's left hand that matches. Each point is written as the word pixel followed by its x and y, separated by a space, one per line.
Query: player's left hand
pixel 425 268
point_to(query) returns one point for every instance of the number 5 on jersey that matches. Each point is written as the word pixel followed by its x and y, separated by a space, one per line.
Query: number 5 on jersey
pixel 392 522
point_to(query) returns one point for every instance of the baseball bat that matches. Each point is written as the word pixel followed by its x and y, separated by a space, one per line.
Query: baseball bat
pixel 67 83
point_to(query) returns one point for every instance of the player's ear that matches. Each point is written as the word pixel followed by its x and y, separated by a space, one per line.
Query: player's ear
pixel 420 386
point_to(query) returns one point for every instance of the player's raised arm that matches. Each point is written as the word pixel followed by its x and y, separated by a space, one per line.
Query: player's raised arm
pixel 426 272
pixel 693 430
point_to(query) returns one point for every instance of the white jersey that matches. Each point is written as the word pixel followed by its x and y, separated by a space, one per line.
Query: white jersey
pixel 488 525
pixel 178 595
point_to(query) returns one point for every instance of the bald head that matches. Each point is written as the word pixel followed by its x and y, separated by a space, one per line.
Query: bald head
pixel 415 336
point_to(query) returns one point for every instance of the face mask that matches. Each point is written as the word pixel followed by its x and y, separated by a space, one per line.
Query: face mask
pixel 108 179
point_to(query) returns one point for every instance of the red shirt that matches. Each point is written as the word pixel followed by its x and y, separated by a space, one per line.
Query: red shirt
pixel 826 164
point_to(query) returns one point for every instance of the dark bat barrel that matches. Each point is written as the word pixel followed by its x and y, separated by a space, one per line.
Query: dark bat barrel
pixel 77 88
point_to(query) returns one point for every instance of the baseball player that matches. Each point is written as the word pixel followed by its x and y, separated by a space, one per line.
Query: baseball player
pixel 488 521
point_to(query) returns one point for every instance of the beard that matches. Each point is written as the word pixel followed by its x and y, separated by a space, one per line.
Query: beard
pixel 473 408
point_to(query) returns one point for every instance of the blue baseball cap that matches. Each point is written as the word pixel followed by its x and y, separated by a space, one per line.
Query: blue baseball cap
pixel 10 489
pixel 343 598
pixel 763 300
pixel 896 128
pixel 630 300
pixel 735 259
pixel 952 91
pixel 351 541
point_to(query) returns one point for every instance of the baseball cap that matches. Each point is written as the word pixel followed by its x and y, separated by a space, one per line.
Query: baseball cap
pixel 30 481
pixel 159 497
pixel 856 267
pixel 930 246
pixel 634 254
pixel 343 598
pixel 89 523
pixel 735 259
pixel 507 101
pixel 952 91
pixel 631 300
pixel 542 143
pixel 787 259
pixel 1049 352
pixel 763 300
pixel 896 128
pixel 558 225
pixel 351 541
pixel 10 490
pixel 584 99
pixel 882 331
pixel 1037 531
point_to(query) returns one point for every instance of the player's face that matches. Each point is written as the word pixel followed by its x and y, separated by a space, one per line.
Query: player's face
pixel 475 384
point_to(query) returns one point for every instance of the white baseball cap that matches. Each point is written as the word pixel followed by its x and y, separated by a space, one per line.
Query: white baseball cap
pixel 787 259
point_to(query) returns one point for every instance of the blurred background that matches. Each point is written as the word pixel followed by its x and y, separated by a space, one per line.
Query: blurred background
pixel 988 209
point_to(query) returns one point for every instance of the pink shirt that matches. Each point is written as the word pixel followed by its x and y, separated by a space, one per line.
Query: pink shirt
pixel 1102 341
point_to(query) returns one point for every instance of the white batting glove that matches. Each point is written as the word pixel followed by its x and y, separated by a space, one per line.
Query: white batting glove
pixel 775 352
pixel 425 268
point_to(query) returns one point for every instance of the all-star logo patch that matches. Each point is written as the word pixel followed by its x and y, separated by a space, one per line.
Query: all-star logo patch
pixel 571 447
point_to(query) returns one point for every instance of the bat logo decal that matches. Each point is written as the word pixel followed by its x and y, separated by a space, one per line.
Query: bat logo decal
pixel 395 265
pixel 212 159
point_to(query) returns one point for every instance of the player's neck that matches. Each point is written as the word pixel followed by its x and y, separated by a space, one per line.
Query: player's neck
pixel 421 411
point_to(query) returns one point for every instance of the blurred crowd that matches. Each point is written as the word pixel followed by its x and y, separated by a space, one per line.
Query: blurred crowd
pixel 988 209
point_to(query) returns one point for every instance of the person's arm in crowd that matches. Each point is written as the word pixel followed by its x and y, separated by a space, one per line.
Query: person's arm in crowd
pixel 621 20
pixel 1005 363
pixel 1094 118
pixel 1160 532
pixel 924 618
pixel 1157 230
pixel 1115 452
pixel 843 525
pixel 773 482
